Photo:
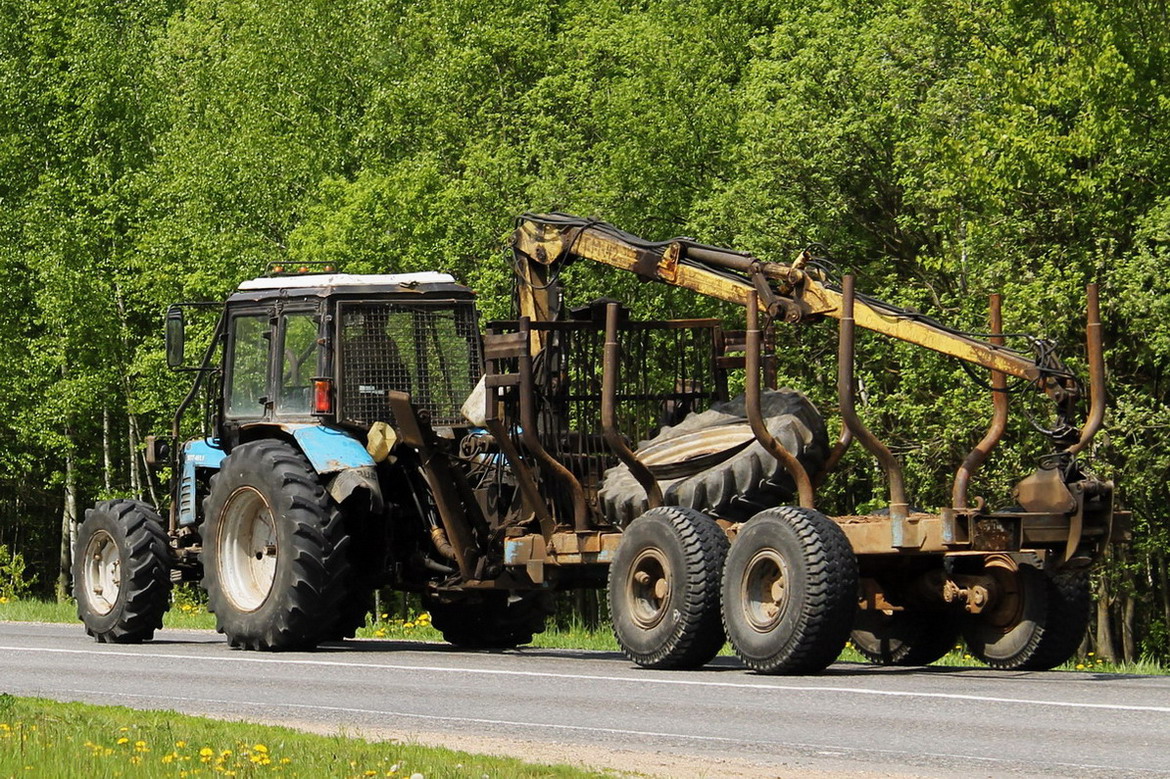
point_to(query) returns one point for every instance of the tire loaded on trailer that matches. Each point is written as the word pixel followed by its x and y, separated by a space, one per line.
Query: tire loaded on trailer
pixel 711 462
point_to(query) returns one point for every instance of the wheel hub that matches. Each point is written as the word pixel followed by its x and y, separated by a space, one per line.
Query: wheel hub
pixel 102 572
pixel 764 590
pixel 648 592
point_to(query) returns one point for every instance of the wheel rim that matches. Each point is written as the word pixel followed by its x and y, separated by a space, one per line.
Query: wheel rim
pixel 648 588
pixel 1009 608
pixel 247 549
pixel 102 573
pixel 764 590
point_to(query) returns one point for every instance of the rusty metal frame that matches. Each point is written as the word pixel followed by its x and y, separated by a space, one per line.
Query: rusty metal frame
pixel 1096 356
pixel 531 437
pixel 904 530
pixel 796 470
pixel 609 426
pixel 975 459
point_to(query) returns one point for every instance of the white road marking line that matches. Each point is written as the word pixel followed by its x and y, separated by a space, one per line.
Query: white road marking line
pixel 822 749
pixel 643 680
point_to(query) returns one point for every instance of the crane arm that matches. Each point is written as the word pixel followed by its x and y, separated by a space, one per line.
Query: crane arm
pixel 793 292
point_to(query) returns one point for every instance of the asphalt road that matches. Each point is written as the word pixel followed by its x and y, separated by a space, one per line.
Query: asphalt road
pixel 852 718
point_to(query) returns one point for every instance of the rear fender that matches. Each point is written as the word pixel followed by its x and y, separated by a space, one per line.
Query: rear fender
pixel 342 462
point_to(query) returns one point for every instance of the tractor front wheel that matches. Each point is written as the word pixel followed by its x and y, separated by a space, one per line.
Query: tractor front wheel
pixel 122 572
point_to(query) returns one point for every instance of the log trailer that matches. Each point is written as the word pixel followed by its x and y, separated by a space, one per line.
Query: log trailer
pixel 368 431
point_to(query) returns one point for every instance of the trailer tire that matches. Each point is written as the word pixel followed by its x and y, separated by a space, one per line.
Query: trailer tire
pixel 122 550
pixel 664 588
pixel 789 591
pixel 490 620
pixel 1045 628
pixel 904 637
pixel 746 481
pixel 274 550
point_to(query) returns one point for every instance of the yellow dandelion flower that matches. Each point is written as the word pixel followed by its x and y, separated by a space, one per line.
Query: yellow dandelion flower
pixel 285 760
pixel 385 616
pixel 1080 666
pixel 370 773
pixel 3 599
pixel 169 758
pixel 136 759
pixel 180 744
pixel 408 625
pixel 123 740
pixel 123 730
pixel 260 748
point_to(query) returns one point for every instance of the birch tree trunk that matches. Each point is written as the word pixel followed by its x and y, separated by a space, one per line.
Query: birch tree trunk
pixel 107 460
pixel 1104 629
pixel 68 526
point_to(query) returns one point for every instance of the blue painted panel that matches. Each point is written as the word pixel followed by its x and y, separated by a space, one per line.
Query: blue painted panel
pixel 199 453
pixel 330 450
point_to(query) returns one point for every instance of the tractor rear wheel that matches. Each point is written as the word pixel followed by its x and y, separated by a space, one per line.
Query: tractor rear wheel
pixel 1038 621
pixel 789 591
pixel 122 572
pixel 274 550
pixel 664 588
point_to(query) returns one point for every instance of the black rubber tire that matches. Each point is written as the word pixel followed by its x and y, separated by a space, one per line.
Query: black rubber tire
pixel 904 637
pixel 366 550
pixel 132 532
pixel 300 607
pixel 492 619
pixel 801 628
pixel 747 481
pixel 1047 629
pixel 681 628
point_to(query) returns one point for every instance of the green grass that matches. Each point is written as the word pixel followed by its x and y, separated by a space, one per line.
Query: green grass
pixel 190 615
pixel 46 738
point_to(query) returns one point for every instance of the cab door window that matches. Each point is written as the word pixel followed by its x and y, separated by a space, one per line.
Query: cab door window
pixel 247 379
pixel 298 363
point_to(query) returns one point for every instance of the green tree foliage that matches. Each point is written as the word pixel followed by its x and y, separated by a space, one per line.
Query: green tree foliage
pixel 941 151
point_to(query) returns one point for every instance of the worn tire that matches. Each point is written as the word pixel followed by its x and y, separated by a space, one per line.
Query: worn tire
pixel 1043 631
pixel 664 588
pixel 744 483
pixel 491 619
pixel 366 549
pixel 789 591
pixel 904 637
pixel 274 550
pixel 123 550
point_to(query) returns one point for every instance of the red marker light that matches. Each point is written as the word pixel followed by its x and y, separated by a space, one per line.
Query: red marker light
pixel 322 396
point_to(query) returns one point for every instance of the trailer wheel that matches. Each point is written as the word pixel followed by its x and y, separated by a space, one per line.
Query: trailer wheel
pixel 789 591
pixel 664 589
pixel 274 550
pixel 491 620
pixel 122 572
pixel 904 637
pixel 736 482
pixel 1038 623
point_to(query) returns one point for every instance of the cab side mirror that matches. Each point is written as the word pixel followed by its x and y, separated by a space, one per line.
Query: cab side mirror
pixel 175 337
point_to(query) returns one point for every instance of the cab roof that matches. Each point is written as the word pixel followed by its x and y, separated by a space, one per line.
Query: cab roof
pixel 303 281
pixel 349 284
